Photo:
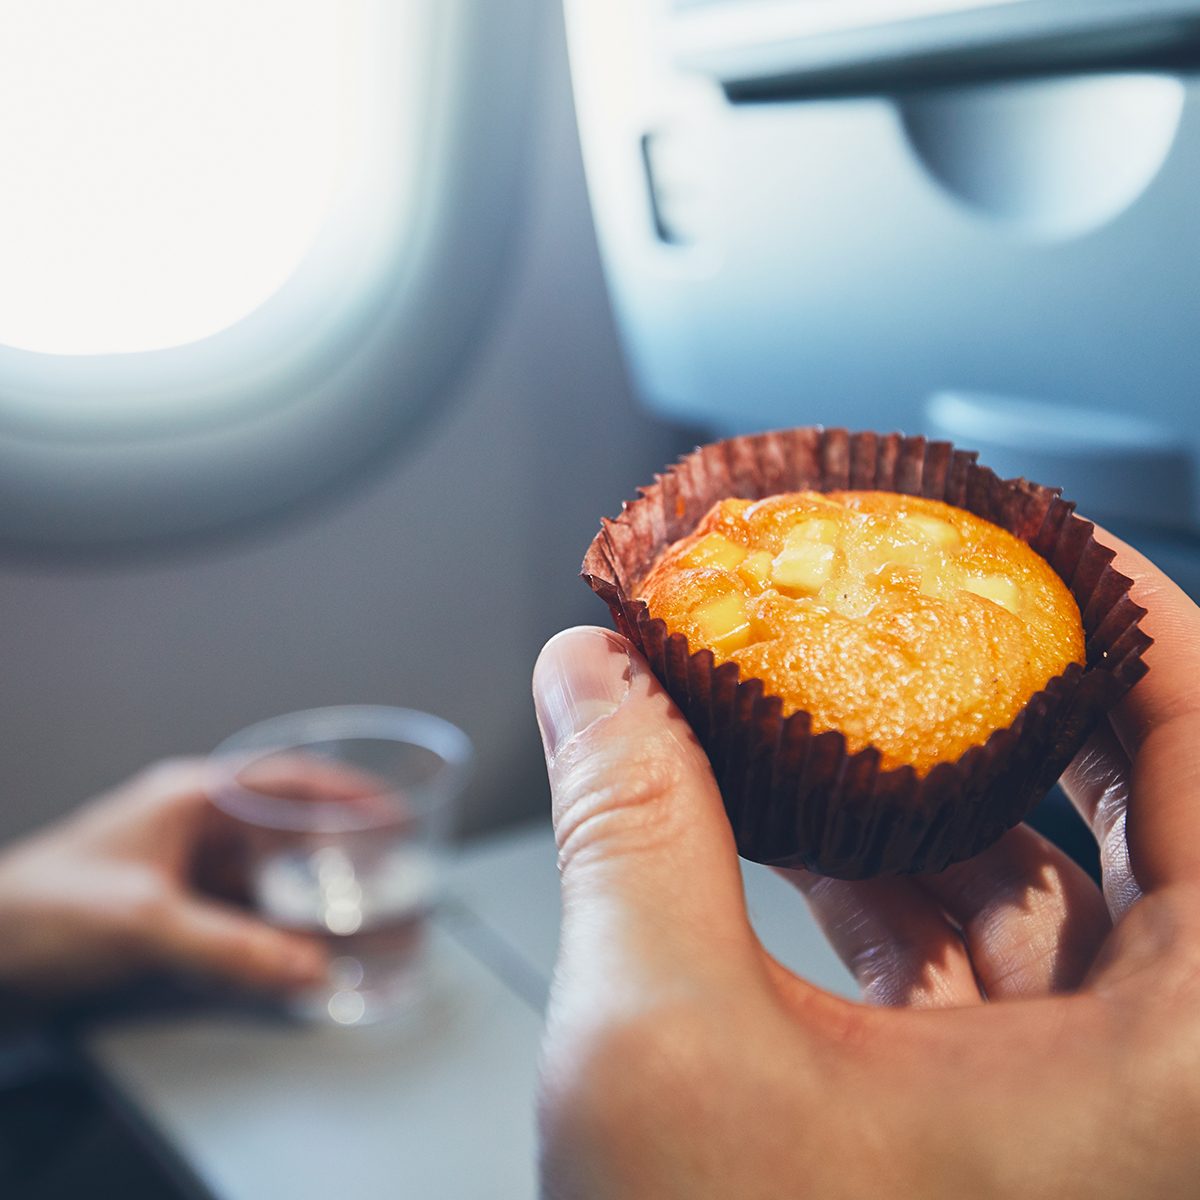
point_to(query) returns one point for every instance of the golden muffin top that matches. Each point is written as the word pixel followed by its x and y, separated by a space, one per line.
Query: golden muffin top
pixel 901 622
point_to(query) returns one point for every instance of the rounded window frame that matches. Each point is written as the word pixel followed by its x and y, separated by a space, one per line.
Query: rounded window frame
pixel 309 388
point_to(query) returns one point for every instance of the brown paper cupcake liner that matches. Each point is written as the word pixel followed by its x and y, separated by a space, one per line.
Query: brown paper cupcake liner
pixel 795 798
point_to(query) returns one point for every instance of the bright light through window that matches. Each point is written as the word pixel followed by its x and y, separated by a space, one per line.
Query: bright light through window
pixel 166 165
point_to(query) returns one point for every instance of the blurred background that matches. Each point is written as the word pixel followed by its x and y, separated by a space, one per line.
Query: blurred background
pixel 421 560
pixel 330 330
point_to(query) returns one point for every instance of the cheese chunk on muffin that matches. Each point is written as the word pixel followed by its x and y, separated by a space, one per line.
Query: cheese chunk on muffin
pixel 902 623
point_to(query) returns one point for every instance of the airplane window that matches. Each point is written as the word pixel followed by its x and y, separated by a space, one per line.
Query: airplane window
pixel 169 167
pixel 242 246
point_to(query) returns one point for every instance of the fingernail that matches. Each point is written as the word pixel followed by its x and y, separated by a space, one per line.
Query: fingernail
pixel 582 675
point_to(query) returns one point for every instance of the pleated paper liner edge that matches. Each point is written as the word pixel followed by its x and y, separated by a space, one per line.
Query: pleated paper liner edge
pixel 795 798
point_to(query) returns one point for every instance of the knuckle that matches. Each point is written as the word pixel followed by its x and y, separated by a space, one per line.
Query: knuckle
pixel 891 975
pixel 610 800
pixel 140 909
pixel 902 973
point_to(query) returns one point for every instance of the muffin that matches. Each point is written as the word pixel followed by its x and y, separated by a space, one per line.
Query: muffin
pixel 888 653
pixel 901 622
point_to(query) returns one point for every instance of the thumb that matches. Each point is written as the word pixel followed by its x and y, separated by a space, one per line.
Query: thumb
pixel 203 938
pixel 652 894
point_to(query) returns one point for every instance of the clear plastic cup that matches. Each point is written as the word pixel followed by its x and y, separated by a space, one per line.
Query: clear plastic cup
pixel 346 814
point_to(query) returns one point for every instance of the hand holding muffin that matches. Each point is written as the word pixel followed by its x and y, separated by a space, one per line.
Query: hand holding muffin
pixel 681 1060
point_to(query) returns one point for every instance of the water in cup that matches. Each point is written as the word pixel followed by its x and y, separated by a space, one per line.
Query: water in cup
pixel 368 904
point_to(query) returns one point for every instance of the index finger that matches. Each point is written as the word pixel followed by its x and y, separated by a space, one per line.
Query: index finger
pixel 1158 724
